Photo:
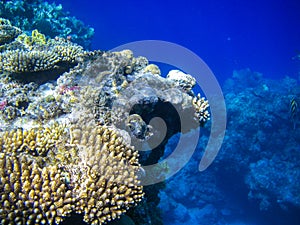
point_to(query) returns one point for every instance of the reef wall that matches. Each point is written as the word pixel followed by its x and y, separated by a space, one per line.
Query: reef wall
pixel 254 178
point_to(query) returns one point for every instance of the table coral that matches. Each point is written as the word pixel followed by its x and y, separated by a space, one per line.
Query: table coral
pixel 34 54
pixel 20 61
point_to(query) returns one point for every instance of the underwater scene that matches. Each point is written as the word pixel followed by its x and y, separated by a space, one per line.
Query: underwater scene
pixel 149 112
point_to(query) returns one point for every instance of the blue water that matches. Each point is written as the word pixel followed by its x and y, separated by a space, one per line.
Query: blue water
pixel 255 178
pixel 263 35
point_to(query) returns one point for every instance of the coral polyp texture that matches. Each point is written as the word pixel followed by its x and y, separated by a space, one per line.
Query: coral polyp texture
pixel 91 171
pixel 71 124
pixel 31 194
pixel 31 55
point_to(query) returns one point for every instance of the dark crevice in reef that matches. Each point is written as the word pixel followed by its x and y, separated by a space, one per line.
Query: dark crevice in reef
pixel 173 117
pixel 165 111
pixel 42 77
pixel 74 219
pixel 148 213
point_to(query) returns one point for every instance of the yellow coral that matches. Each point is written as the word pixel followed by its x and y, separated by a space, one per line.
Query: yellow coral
pixel 35 141
pixel 83 168
pixel 107 184
pixel 36 38
pixel 152 68
pixel 31 194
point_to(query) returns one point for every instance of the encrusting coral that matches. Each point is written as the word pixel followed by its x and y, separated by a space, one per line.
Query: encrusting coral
pixel 84 169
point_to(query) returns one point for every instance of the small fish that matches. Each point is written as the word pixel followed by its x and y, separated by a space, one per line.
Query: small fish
pixel 294 111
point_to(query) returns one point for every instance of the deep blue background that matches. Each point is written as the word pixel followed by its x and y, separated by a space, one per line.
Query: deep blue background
pixel 263 35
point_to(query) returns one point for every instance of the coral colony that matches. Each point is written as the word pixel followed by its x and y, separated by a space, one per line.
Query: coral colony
pixel 72 122
pixel 67 121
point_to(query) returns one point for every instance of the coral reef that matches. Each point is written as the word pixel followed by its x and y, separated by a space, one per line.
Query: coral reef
pixel 49 19
pixel 72 123
pixel 182 80
pixel 49 172
pixel 31 193
pixel 29 56
pixel 272 165
pixel 257 169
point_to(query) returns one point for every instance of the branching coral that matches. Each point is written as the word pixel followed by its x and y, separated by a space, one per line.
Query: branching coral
pixel 29 55
pixel 82 168
pixel 201 109
pixel 35 141
pixel 31 194
pixel 19 61
pixel 105 178
pixel 37 59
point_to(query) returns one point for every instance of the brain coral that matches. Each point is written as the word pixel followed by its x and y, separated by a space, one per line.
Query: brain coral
pixel 88 170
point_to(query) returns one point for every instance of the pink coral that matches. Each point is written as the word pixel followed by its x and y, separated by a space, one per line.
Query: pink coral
pixel 3 104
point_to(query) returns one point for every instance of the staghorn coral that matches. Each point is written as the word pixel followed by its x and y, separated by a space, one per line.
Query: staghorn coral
pixel 79 168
